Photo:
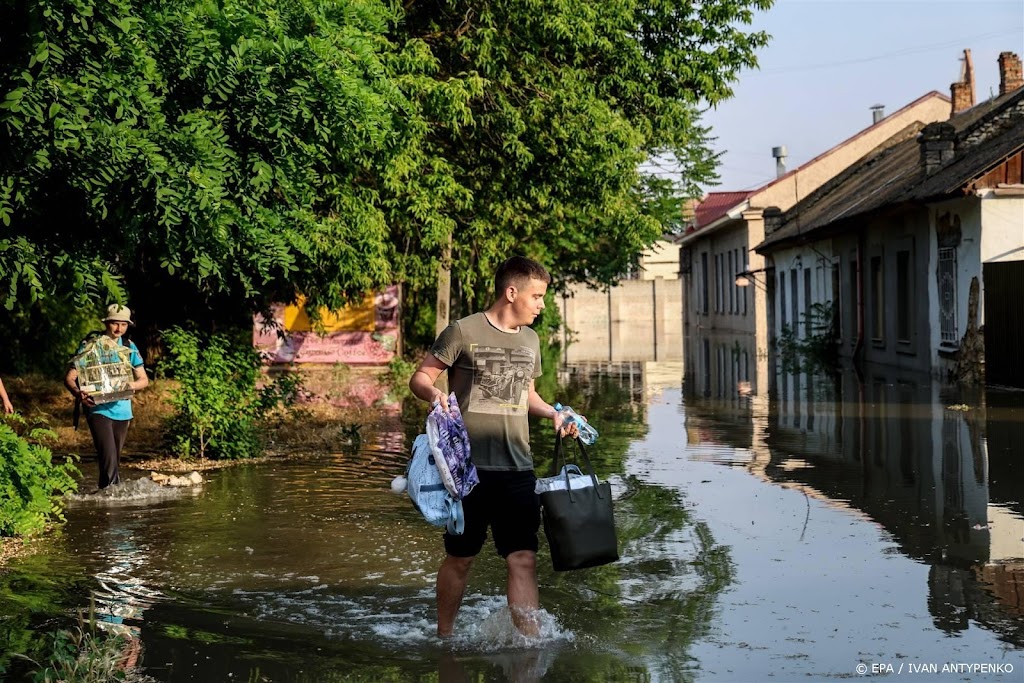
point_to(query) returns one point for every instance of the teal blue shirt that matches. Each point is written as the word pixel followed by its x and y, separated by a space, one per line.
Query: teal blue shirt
pixel 117 410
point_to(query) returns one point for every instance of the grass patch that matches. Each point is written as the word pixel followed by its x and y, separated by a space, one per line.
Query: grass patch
pixel 84 653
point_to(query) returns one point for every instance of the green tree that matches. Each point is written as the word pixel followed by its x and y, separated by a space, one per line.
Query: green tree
pixel 208 158
pixel 543 151
pixel 218 155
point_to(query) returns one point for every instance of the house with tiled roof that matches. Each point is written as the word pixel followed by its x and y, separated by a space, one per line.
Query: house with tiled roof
pixel 725 311
pixel 917 250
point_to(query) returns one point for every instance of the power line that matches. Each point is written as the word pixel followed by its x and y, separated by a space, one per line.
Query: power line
pixel 934 47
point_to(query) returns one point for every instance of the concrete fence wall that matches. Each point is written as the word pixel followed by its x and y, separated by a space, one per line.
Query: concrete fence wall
pixel 637 320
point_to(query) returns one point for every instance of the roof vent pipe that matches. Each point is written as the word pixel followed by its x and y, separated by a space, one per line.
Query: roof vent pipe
pixel 780 153
pixel 877 113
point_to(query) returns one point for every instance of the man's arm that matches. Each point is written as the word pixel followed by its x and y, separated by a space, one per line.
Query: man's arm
pixel 71 384
pixel 422 381
pixel 538 407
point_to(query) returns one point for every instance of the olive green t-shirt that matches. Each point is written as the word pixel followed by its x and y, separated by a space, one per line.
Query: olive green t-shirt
pixel 490 372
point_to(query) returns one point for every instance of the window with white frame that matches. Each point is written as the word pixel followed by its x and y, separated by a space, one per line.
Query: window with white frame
pixel 808 316
pixel 718 283
pixel 732 285
pixel 947 295
pixel 877 300
pixel 704 283
pixel 904 298
pixel 782 301
pixel 794 298
pixel 853 299
pixel 743 290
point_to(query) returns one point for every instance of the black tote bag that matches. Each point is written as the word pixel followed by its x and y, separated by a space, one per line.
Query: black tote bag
pixel 579 523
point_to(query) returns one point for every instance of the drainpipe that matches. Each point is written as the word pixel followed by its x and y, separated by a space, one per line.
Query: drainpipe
pixel 858 356
pixel 858 349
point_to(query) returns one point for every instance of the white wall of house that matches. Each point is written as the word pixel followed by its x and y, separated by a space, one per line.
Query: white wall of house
pixel 903 299
pixel 895 276
pixel 810 267
pixel 1003 219
pixel 966 213
pixel 882 277
pixel 714 301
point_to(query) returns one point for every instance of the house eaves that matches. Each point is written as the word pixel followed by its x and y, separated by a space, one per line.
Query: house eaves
pixel 893 175
pixel 733 214
pixel 850 140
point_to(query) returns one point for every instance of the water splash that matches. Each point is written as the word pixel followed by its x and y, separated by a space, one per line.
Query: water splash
pixel 484 623
pixel 487 625
pixel 131 491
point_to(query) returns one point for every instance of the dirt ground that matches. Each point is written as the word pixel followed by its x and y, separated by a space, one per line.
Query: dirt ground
pixel 337 404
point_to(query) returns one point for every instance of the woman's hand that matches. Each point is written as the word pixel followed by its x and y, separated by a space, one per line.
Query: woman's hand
pixel 86 399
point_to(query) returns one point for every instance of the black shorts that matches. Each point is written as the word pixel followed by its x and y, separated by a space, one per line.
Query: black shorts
pixel 506 502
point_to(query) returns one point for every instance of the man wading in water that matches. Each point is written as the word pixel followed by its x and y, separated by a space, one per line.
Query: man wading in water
pixel 491 349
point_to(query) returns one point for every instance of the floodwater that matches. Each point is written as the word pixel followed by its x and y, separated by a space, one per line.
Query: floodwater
pixel 871 525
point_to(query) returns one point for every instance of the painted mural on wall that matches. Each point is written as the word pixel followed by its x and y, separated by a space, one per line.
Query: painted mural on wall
pixel 363 333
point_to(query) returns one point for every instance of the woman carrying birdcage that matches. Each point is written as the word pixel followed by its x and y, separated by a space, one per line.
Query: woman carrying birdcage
pixel 103 376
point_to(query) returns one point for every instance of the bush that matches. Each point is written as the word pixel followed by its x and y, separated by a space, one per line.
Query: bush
pixel 817 351
pixel 31 484
pixel 218 407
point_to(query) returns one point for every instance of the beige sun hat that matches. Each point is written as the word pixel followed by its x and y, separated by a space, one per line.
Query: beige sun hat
pixel 118 313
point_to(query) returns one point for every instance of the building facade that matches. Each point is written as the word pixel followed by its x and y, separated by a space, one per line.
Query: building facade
pixel 722 318
pixel 898 248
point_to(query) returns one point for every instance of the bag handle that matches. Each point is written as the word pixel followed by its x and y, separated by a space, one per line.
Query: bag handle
pixel 456 523
pixel 560 457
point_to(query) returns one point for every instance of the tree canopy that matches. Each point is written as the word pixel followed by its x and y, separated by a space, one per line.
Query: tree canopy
pixel 574 98
pixel 204 159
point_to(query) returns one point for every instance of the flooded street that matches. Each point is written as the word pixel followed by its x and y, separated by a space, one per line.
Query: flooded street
pixel 876 523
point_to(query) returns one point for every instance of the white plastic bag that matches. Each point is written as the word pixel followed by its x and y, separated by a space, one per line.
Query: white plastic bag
pixel 577 480
pixel 427 490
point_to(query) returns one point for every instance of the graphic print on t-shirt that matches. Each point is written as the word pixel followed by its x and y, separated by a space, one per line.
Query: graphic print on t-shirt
pixel 501 379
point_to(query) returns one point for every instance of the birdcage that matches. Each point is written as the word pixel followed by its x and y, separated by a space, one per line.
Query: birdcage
pixel 105 370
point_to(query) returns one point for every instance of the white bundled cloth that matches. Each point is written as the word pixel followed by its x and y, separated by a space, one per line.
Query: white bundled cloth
pixel 577 480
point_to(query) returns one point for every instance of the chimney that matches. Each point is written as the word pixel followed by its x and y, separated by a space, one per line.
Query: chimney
pixel 780 153
pixel 963 90
pixel 1010 77
pixel 937 142
pixel 877 113
pixel 772 219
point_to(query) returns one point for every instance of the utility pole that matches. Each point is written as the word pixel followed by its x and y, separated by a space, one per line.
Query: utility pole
pixel 444 289
pixel 444 301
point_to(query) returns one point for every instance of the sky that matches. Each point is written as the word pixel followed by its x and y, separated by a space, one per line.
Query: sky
pixel 829 61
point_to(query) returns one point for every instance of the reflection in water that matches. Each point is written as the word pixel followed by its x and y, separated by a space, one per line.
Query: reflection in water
pixel 915 459
pixel 725 366
pixel 312 570
pixel 880 520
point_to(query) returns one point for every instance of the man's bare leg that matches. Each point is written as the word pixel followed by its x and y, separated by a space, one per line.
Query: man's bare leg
pixel 523 598
pixel 451 585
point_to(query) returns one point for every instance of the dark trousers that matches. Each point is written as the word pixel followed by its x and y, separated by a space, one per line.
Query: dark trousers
pixel 108 437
